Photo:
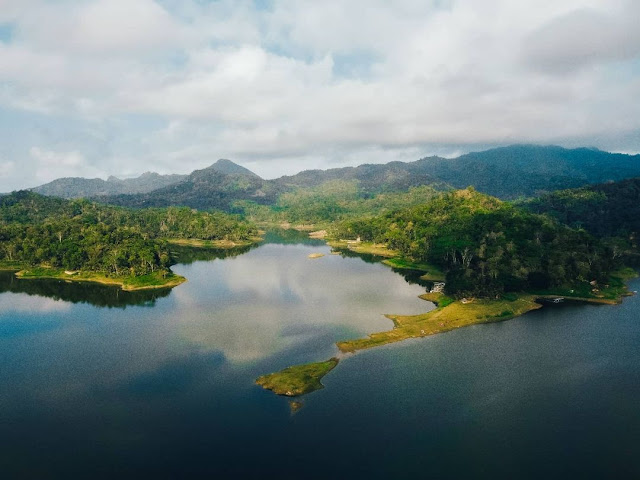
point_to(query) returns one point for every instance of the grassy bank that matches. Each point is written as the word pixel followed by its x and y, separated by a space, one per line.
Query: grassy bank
pixel 454 314
pixel 431 273
pixel 610 293
pixel 378 249
pixel 222 244
pixel 128 283
pixel 299 379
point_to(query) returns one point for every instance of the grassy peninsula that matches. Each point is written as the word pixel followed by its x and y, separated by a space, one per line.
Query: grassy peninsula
pixel 299 379
pixel 220 244
pixel 456 314
pixel 128 283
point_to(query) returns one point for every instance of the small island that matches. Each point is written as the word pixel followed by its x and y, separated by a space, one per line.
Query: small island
pixel 299 379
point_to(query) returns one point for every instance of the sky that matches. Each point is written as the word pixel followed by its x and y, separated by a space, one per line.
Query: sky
pixel 95 88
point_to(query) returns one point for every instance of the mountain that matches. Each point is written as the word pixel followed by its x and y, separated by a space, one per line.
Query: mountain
pixel 606 210
pixel 76 187
pixel 230 168
pixel 216 186
pixel 530 170
pixel 372 178
pixel 506 172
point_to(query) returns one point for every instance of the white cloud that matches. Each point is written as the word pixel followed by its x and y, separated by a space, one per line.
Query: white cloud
pixel 584 37
pixel 303 83
pixel 50 165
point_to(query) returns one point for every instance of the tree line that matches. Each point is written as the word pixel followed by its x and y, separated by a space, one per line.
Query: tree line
pixel 486 246
pixel 83 235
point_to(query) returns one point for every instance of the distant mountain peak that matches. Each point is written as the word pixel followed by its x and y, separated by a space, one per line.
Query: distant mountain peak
pixel 231 168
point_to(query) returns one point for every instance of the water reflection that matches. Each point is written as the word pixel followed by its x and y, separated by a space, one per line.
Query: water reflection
pixel 275 299
pixel 290 237
pixel 79 292
pixel 410 276
pixel 187 255
pixel 92 392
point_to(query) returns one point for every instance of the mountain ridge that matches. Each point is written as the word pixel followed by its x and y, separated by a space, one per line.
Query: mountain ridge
pixel 509 172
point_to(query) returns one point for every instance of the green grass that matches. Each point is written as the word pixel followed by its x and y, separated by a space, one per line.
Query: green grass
pixel 448 316
pixel 152 280
pixel 363 247
pixel 610 293
pixel 222 244
pixel 431 273
pixel 11 266
pixel 297 380
pixel 129 283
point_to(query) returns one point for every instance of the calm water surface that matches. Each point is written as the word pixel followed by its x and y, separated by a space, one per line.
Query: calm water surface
pixel 98 383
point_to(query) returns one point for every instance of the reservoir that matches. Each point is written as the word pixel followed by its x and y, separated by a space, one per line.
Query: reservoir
pixel 100 383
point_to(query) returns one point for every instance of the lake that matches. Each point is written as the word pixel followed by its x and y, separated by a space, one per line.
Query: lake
pixel 100 383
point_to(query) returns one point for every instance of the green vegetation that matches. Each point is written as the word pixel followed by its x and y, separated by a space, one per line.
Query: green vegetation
pixel 46 237
pixel 212 244
pixel 485 246
pixel 317 196
pixel 607 210
pixel 431 273
pixel 368 248
pixel 333 201
pixel 593 292
pixel 299 379
pixel 129 283
pixel 448 316
pixel 74 187
pixel 497 258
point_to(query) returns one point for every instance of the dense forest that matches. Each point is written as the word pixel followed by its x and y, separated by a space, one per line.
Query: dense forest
pixel 334 201
pixel 487 246
pixel 606 210
pixel 82 235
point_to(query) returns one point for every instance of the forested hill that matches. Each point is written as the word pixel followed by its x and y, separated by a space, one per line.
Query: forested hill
pixel 605 210
pixel 507 173
pixel 487 246
pixel 529 170
pixel 80 235
pixel 217 186
pixel 76 187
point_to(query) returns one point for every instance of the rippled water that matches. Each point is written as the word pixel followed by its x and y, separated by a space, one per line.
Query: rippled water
pixel 97 383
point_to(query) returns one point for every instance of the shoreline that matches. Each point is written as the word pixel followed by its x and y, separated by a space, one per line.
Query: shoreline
pixel 298 379
pixel 128 284
pixel 449 314
pixel 221 244
pixel 442 319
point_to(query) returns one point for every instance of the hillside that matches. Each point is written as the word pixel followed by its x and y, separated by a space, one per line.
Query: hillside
pixel 507 173
pixel 217 186
pixel 529 170
pixel 486 246
pixel 45 236
pixel 77 187
pixel 605 210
